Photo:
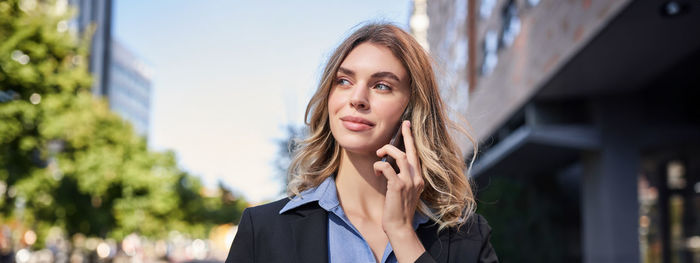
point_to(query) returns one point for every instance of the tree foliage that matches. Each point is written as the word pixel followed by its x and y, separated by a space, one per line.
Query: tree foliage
pixel 66 159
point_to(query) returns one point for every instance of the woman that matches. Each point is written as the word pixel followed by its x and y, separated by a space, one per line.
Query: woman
pixel 350 206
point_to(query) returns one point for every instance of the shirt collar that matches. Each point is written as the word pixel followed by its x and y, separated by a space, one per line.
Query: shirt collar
pixel 419 219
pixel 327 197
pixel 325 194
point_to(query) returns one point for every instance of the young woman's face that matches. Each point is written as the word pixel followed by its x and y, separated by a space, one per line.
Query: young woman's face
pixel 368 97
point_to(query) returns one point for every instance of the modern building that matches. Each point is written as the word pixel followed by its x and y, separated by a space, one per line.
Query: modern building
pixel 96 16
pixel 587 118
pixel 130 88
pixel 118 75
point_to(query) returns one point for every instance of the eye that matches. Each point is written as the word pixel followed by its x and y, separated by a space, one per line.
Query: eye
pixel 382 86
pixel 342 82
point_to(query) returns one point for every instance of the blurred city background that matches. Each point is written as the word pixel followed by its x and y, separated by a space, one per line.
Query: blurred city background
pixel 138 131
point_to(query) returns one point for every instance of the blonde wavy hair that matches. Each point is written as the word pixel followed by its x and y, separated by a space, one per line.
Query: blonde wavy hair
pixel 448 198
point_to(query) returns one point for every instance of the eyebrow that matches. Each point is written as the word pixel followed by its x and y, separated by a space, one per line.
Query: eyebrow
pixel 383 74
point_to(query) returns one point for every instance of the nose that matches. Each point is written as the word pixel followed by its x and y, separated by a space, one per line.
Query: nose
pixel 358 99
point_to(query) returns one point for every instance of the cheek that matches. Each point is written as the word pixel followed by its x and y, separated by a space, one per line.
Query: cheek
pixel 391 111
pixel 335 102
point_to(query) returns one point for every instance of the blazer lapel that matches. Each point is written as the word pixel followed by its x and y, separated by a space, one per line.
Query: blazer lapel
pixel 310 234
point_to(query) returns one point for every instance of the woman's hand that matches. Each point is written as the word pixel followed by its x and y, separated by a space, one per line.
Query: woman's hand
pixel 403 192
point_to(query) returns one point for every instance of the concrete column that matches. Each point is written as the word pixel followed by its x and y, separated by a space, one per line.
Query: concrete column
pixel 609 185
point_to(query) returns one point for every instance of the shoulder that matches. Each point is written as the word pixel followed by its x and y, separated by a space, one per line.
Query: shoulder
pixel 266 210
pixel 477 236
pixel 262 235
pixel 476 227
pixel 472 241
pixel 262 219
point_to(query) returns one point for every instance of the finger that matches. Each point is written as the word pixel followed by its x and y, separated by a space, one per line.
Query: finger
pixel 411 153
pixel 398 155
pixel 419 183
pixel 408 143
pixel 384 168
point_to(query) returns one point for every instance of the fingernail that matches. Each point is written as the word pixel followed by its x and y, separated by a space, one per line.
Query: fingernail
pixel 408 123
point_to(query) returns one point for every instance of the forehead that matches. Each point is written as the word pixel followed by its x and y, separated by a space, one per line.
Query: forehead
pixel 369 58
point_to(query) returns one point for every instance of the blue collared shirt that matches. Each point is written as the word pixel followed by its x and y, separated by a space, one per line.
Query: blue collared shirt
pixel 345 243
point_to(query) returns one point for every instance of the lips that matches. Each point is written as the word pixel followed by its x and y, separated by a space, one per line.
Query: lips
pixel 356 123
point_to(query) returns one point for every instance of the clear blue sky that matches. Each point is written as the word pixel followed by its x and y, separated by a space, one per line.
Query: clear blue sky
pixel 229 75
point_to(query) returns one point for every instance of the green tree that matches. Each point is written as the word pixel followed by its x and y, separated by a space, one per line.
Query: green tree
pixel 65 159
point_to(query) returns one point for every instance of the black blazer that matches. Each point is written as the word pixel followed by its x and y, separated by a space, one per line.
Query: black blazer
pixel 301 235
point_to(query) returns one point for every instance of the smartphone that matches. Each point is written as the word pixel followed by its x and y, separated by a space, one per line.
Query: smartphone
pixel 396 141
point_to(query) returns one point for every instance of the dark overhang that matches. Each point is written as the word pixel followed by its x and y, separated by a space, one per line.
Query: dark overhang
pixel 639 44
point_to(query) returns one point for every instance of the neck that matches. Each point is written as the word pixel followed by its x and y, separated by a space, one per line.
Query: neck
pixel 359 189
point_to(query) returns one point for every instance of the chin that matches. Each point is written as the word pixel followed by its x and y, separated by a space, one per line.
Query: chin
pixel 360 150
pixel 358 145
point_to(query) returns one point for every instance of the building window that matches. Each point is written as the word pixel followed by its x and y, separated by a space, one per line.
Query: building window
pixel 486 7
pixel 490 51
pixel 669 202
pixel 511 24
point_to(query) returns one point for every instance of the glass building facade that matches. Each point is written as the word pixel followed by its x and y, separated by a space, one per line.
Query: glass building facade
pixel 119 76
pixel 130 88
